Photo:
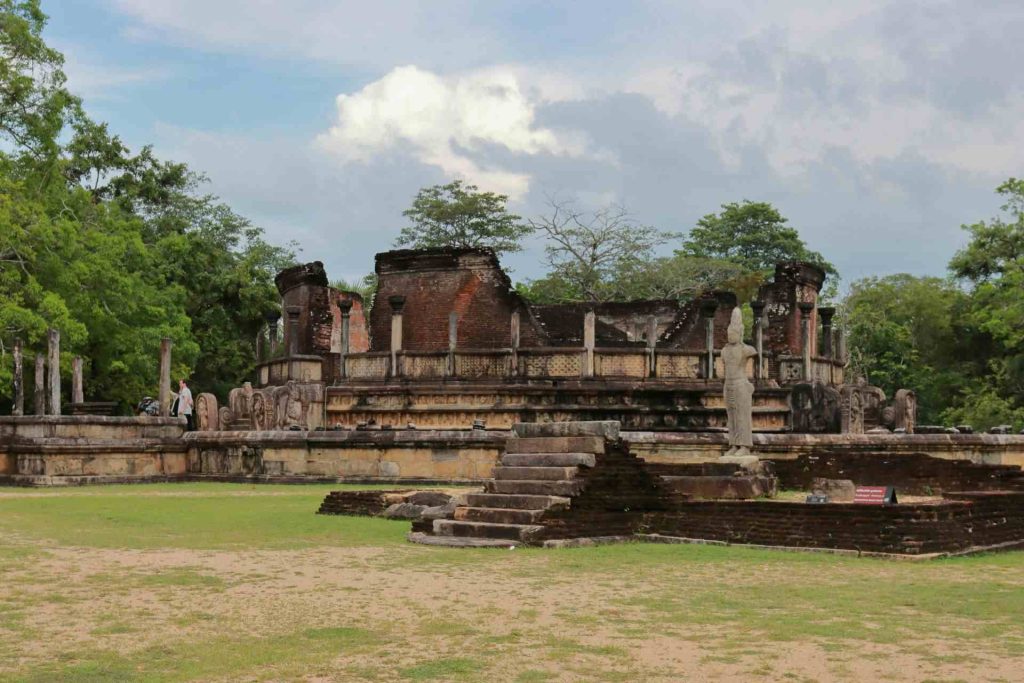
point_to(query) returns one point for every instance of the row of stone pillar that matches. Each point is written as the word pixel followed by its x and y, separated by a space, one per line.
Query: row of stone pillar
pixel 46 394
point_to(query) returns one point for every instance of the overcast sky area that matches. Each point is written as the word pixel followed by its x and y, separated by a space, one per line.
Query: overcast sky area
pixel 877 128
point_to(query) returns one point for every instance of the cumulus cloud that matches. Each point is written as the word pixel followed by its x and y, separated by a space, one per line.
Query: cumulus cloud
pixel 446 122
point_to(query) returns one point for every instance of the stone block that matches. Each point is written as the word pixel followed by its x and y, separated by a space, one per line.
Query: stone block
pixel 556 444
pixel 535 473
pixel 838 490
pixel 548 460
pixel 428 498
pixel 404 511
pixel 722 488
pixel 608 429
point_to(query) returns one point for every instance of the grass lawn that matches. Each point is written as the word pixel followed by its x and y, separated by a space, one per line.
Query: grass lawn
pixel 228 582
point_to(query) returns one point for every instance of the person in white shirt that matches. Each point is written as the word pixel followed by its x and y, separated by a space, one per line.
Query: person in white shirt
pixel 185 405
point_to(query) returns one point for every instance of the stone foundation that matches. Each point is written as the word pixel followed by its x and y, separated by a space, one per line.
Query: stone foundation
pixel 148 448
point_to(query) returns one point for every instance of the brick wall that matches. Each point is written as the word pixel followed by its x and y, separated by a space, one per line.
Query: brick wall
pixel 435 283
pixel 972 520
pixel 912 473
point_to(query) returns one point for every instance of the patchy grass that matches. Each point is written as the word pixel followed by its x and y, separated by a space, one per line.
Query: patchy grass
pixel 203 582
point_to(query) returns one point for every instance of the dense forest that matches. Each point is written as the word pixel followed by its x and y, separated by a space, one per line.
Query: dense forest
pixel 118 249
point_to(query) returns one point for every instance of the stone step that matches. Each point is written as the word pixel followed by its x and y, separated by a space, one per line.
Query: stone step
pixel 537 488
pixel 517 502
pixel 535 473
pixel 498 515
pixel 548 460
pixel 608 429
pixel 460 541
pixel 519 532
pixel 556 444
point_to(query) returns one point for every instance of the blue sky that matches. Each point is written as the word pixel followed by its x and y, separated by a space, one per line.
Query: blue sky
pixel 876 127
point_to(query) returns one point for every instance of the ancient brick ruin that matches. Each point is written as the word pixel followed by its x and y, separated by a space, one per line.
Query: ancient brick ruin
pixel 450 344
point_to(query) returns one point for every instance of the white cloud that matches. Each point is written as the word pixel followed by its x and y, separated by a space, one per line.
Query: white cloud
pixel 447 122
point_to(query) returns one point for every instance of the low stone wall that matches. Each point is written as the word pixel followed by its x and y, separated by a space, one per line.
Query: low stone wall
pixel 151 448
pixel 363 455
pixel 73 447
pixel 692 447
pixel 968 521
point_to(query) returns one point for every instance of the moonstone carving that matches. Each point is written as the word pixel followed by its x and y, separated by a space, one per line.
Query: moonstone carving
pixel 739 392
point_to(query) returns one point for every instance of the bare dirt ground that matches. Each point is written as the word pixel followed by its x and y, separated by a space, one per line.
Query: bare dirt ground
pixel 432 615
pixel 403 612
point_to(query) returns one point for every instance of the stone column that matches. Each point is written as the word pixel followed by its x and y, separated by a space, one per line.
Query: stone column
pixel 589 325
pixel 272 319
pixel 825 313
pixel 19 380
pixel 453 340
pixel 77 393
pixel 707 311
pixel 164 392
pixel 760 372
pixel 39 395
pixel 806 308
pixel 514 340
pixel 293 330
pixel 53 360
pixel 841 351
pixel 397 303
pixel 346 313
pixel 652 342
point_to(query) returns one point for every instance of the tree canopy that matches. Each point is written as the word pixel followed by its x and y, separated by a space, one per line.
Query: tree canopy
pixel 116 250
pixel 753 235
pixel 459 215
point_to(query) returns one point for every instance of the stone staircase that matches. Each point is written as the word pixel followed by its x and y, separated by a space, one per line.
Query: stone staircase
pixel 550 474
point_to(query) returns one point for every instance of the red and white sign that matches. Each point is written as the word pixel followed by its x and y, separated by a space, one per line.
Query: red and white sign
pixel 875 495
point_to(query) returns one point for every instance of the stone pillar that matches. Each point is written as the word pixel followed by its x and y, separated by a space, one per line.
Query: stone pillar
pixel 806 308
pixel 707 311
pixel 652 342
pixel 589 324
pixel 53 360
pixel 293 330
pixel 39 396
pixel 453 340
pixel 345 305
pixel 760 371
pixel 272 319
pixel 825 313
pixel 19 380
pixel 77 393
pixel 841 351
pixel 514 336
pixel 164 395
pixel 397 303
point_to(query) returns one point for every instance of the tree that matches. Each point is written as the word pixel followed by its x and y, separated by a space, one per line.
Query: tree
pixel 992 267
pixel 753 235
pixel 904 333
pixel 114 250
pixel 592 256
pixel 457 215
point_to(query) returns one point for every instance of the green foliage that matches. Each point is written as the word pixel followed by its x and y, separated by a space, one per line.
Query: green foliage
pixel 115 251
pixel 457 215
pixel 959 343
pixel 902 333
pixel 753 235
pixel 593 256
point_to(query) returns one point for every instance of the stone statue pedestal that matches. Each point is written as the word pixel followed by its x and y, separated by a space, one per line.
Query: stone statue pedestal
pixel 751 463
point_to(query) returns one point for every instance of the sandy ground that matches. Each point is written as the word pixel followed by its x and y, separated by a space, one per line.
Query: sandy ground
pixel 522 621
